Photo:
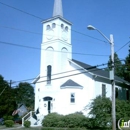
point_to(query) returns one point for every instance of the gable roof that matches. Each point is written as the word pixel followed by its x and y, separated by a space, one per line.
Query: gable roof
pixel 70 84
pixel 98 72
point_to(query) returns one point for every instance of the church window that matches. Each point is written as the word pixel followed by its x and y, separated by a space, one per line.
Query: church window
pixel 49 74
pixel 53 25
pixel 103 90
pixel 48 27
pixel 66 28
pixel 72 98
pixel 62 26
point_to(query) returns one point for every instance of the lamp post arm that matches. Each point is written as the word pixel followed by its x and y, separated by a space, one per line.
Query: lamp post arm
pixel 104 36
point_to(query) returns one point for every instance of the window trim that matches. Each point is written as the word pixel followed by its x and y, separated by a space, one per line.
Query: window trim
pixel 103 90
pixel 72 98
pixel 49 71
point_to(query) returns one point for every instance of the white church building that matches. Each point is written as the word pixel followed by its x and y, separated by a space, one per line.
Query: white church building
pixel 65 85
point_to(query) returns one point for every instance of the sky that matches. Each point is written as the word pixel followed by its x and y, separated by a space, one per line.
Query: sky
pixel 21 33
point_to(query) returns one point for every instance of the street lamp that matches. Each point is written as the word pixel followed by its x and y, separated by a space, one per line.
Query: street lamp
pixel 90 27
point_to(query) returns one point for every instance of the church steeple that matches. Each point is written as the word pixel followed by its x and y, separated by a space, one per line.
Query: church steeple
pixel 57 10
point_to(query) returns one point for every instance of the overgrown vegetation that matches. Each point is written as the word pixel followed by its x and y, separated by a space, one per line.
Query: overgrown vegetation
pixel 9 123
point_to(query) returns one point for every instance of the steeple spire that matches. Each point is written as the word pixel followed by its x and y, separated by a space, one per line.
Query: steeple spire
pixel 57 10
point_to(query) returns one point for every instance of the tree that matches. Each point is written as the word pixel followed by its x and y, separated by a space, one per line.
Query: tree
pixel 7 101
pixel 101 109
pixel 24 94
pixel 126 68
pixel 118 65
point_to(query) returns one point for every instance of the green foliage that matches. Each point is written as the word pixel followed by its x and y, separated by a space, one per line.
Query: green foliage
pixel 69 121
pixel 8 117
pixel 126 67
pixel 7 102
pixel 75 121
pixel 100 111
pixel 52 120
pixel 27 124
pixel 24 93
pixel 122 67
pixel 9 123
pixel 122 110
pixel 11 97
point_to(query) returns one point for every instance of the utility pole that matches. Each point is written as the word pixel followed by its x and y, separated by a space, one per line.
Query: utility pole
pixel 111 41
pixel 10 83
pixel 113 84
pixel 129 51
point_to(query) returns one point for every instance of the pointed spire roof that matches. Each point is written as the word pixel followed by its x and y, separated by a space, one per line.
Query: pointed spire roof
pixel 57 10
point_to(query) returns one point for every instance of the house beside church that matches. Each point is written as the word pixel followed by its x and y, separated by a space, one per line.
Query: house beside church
pixel 65 85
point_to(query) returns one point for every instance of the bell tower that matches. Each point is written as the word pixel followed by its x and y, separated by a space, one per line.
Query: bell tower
pixel 56 45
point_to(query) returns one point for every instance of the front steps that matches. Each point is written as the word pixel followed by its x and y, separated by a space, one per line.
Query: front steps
pixel 36 120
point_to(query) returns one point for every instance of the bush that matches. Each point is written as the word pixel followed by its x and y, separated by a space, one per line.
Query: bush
pixel 9 123
pixel 51 120
pixel 8 117
pixel 69 121
pixel 27 124
pixel 75 121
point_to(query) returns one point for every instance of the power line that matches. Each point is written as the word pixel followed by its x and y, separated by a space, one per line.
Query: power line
pixel 51 22
pixel 64 72
pixel 20 30
pixel 67 72
pixel 27 31
pixel 70 75
pixel 29 47
pixel 21 10
pixel 123 46
pixel 92 68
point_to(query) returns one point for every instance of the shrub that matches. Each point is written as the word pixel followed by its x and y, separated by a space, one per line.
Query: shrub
pixel 8 117
pixel 27 124
pixel 51 120
pixel 75 121
pixel 9 123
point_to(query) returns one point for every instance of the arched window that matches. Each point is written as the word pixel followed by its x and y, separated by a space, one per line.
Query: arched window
pixel 66 28
pixel 72 98
pixel 62 26
pixel 49 74
pixel 47 98
pixel 53 25
pixel 48 27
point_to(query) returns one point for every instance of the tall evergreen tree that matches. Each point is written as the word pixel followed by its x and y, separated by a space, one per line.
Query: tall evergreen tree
pixel 7 102
pixel 126 67
pixel 118 65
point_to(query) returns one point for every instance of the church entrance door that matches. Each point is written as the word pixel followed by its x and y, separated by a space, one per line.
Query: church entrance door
pixel 48 100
